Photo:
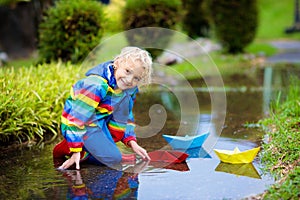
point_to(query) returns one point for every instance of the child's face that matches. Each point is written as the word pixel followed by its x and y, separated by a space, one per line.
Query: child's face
pixel 128 74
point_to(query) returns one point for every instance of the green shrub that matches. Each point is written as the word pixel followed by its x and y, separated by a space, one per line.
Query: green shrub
pixel 151 13
pixel 70 30
pixel 196 18
pixel 31 101
pixel 235 23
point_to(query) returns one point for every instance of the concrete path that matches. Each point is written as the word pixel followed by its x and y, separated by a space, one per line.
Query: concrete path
pixel 289 52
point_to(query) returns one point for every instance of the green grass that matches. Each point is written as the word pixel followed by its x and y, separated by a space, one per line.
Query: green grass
pixel 288 189
pixel 261 48
pixel 281 154
pixel 210 65
pixel 31 101
pixel 274 18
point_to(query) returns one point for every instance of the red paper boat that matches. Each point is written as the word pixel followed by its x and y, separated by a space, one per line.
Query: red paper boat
pixel 168 156
pixel 174 166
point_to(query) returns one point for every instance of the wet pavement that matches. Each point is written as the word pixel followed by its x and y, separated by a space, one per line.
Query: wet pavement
pixel 289 52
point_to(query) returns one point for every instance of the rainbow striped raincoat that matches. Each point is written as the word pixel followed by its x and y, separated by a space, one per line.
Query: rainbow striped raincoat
pixel 95 102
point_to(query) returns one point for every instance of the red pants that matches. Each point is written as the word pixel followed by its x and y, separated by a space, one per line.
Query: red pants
pixel 61 150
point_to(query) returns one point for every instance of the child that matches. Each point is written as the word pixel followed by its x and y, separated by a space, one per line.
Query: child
pixel 98 112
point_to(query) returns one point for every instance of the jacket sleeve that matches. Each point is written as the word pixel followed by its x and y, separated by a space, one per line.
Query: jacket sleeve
pixel 130 126
pixel 80 108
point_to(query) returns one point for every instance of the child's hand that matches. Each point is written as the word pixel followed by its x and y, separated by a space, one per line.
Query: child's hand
pixel 75 158
pixel 139 150
pixel 139 167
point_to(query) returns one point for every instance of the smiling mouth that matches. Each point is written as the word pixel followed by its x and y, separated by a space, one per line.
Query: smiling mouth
pixel 125 83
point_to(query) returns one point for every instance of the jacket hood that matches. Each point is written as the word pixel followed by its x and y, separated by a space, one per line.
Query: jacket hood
pixel 106 71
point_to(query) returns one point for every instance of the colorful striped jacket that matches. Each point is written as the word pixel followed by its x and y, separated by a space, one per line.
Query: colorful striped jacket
pixel 94 101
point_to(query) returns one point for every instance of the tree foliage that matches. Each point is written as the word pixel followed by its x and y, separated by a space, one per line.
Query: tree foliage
pixel 235 22
pixel 70 30
pixel 150 13
pixel 196 18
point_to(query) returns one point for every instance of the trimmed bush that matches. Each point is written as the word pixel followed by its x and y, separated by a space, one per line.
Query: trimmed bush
pixel 31 101
pixel 151 13
pixel 70 30
pixel 196 18
pixel 235 23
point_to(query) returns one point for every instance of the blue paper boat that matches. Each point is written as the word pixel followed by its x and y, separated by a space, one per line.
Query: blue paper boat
pixel 197 152
pixel 186 142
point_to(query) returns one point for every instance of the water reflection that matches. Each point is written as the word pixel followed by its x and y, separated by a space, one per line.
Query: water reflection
pixel 276 79
pixel 99 183
pixel 197 153
pixel 238 169
pixel 183 167
pixel 105 183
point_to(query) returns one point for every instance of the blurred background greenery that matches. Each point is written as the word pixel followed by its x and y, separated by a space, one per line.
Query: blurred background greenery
pixel 30 29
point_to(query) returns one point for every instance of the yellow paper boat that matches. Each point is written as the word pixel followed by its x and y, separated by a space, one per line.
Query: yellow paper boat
pixel 236 156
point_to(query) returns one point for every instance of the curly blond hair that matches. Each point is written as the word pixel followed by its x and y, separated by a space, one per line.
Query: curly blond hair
pixel 137 55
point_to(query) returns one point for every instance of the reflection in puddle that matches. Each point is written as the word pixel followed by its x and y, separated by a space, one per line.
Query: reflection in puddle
pixel 197 153
pixel 173 166
pixel 100 184
pixel 238 169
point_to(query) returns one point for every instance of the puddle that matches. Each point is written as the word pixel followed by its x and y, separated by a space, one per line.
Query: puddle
pixel 31 175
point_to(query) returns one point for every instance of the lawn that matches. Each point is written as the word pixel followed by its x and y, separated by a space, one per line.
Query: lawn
pixel 274 18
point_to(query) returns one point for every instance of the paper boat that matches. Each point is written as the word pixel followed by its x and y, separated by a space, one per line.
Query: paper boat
pixel 197 152
pixel 174 166
pixel 236 156
pixel 165 156
pixel 185 142
pixel 245 169
pixel 168 156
